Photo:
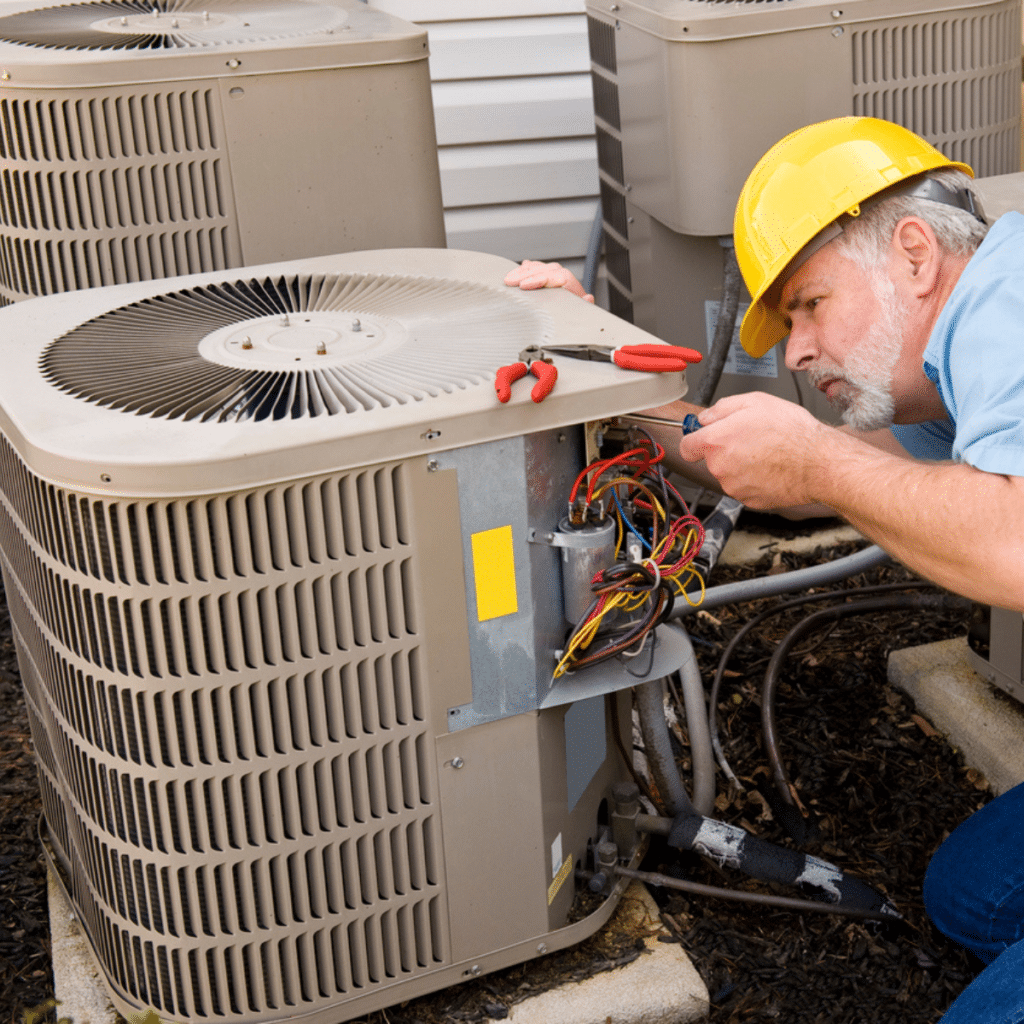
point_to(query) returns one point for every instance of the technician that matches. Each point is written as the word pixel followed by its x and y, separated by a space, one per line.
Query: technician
pixel 866 248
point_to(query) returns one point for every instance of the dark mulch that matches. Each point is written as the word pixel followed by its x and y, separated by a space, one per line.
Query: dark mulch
pixel 880 788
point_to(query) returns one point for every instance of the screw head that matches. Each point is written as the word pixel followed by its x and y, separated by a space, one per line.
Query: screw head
pixel 457 762
pixel 837 32
pixel 542 948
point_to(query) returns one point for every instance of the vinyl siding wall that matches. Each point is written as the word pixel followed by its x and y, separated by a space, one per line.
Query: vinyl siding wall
pixel 515 123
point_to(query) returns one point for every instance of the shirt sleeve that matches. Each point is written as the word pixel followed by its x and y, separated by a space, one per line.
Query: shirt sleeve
pixel 931 442
pixel 980 366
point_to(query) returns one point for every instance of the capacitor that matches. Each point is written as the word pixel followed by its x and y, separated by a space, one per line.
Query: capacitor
pixel 586 550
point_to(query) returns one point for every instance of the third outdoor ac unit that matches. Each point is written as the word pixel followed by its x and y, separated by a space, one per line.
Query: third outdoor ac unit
pixel 143 140
pixel 688 94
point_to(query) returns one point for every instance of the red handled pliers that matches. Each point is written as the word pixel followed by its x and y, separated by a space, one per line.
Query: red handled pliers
pixel 650 358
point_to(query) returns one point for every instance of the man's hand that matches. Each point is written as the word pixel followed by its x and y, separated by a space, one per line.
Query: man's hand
pixel 763 450
pixel 532 274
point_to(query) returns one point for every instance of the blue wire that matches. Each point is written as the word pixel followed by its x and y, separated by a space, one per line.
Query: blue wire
pixel 629 526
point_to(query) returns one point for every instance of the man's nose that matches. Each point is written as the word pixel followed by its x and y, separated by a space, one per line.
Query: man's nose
pixel 801 349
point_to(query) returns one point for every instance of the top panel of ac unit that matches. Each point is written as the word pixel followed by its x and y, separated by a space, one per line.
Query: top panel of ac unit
pixel 704 20
pixel 111 41
pixel 223 380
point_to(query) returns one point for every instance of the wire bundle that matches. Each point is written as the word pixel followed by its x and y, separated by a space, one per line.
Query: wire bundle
pixel 632 597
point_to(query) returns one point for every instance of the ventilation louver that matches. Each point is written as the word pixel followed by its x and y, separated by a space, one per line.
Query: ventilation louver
pixel 291 346
pixel 166 24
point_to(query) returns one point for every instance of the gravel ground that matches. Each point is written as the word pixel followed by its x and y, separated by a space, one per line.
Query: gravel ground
pixel 880 789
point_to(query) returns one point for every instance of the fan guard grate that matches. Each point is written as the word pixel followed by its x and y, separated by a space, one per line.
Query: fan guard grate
pixel 294 346
pixel 167 24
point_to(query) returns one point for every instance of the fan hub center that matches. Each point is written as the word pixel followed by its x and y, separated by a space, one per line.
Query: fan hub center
pixel 309 338
pixel 159 21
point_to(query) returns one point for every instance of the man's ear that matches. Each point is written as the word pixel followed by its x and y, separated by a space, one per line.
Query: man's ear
pixel 916 252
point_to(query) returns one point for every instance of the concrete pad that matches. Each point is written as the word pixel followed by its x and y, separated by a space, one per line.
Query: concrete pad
pixel 80 994
pixel 660 987
pixel 975 717
pixel 746 548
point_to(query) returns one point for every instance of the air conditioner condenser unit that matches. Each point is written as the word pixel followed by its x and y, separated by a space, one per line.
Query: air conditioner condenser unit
pixel 149 140
pixel 286 634
pixel 689 94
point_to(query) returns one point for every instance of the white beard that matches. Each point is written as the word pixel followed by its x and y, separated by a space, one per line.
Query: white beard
pixel 863 393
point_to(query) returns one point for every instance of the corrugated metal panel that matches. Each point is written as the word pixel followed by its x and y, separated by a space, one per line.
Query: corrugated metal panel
pixel 515 123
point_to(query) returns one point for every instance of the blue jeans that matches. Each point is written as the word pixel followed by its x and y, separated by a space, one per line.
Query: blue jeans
pixel 974 892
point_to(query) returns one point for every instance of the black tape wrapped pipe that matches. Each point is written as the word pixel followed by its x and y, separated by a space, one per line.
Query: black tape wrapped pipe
pixel 731 846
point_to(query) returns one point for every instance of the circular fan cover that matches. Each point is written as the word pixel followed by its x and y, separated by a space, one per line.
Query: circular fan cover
pixel 291 347
pixel 168 24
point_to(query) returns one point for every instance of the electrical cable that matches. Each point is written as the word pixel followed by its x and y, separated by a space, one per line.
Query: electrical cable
pixel 764 899
pixel 938 602
pixel 753 624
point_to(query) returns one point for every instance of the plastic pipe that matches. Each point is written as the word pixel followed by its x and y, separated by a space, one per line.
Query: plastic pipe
pixel 726 325
pixel 783 583
pixel 593 251
pixel 701 751
pixel 650 704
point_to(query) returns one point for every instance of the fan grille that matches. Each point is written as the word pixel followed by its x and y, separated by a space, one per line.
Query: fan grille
pixel 166 24
pixel 233 351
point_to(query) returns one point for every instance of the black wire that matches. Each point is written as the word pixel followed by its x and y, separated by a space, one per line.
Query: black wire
pixel 767 613
pixel 841 611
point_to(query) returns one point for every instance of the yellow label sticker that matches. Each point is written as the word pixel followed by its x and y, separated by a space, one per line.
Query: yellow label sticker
pixel 563 874
pixel 494 571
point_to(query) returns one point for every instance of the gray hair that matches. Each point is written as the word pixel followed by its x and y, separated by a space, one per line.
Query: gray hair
pixel 866 239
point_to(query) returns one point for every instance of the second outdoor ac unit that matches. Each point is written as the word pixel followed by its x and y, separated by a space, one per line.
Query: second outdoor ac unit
pixel 689 94
pixel 148 140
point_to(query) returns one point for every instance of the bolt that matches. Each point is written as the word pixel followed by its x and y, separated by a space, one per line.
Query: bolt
pixel 321 349
pixel 432 466
pixel 474 970
pixel 837 32
pixel 457 762
pixel 542 948
pixel 356 326
pixel 247 342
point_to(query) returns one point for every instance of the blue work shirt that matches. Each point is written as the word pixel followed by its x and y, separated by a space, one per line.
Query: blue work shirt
pixel 975 357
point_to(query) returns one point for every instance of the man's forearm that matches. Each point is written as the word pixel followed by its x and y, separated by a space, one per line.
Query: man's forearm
pixel 958 526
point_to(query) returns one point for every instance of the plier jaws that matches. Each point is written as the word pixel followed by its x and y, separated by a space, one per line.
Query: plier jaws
pixel 533 360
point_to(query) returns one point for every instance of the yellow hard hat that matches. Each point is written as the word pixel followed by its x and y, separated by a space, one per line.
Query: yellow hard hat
pixel 801 186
